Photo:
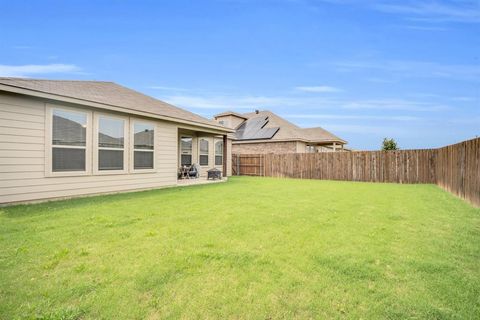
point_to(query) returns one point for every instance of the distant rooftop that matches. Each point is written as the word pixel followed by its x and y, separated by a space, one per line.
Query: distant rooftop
pixel 228 113
pixel 266 125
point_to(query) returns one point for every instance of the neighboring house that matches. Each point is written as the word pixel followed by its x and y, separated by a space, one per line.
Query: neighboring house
pixel 266 132
pixel 69 138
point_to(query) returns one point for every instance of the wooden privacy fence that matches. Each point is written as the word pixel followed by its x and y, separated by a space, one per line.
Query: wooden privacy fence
pixel 458 170
pixel 455 168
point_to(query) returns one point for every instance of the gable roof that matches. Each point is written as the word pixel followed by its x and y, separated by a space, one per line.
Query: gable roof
pixel 109 94
pixel 229 113
pixel 284 130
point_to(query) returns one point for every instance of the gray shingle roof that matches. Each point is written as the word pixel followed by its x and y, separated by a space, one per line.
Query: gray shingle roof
pixel 284 130
pixel 108 93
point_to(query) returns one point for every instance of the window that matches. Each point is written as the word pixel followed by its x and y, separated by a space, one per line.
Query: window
pixel 310 149
pixel 143 146
pixel 111 143
pixel 186 151
pixel 218 153
pixel 203 152
pixel 69 140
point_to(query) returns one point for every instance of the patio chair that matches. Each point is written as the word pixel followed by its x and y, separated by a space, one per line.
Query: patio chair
pixel 183 172
pixel 194 171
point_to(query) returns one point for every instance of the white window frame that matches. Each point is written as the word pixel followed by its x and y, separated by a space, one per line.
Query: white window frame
pixel 180 149
pixel 310 148
pixel 49 145
pixel 204 154
pixel 126 143
pixel 215 152
pixel 132 145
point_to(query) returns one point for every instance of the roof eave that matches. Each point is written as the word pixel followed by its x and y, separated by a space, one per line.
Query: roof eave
pixel 328 140
pixel 57 97
pixel 289 140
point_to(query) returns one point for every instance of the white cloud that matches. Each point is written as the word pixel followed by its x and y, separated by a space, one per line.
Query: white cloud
pixel 364 129
pixel 305 103
pixel 231 102
pixel 394 104
pixel 35 69
pixel 318 89
pixel 471 120
pixel 350 117
pixel 466 121
pixel 420 69
pixel 424 28
pixel 464 99
pixel 433 11
pixel 166 88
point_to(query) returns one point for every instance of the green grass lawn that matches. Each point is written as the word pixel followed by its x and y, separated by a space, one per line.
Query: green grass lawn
pixel 251 248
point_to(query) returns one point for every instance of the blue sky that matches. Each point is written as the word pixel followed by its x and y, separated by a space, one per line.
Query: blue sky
pixel 362 69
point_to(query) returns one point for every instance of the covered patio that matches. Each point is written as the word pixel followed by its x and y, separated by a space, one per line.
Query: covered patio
pixel 199 152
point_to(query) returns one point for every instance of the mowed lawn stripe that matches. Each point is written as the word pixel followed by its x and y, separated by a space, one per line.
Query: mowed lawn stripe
pixel 251 248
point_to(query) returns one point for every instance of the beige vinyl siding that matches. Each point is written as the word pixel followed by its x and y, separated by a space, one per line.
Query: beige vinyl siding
pixel 22 157
pixel 301 147
pixel 231 121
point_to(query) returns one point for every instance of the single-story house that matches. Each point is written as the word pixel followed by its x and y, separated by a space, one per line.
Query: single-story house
pixel 68 138
pixel 266 132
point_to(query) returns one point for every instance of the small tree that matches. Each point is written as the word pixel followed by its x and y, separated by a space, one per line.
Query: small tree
pixel 389 144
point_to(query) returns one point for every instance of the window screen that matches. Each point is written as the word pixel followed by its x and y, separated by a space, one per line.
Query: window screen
pixel 186 160
pixel 143 145
pixel 69 140
pixel 66 159
pixel 143 160
pixel 203 158
pixel 110 159
pixel 111 137
pixel 186 151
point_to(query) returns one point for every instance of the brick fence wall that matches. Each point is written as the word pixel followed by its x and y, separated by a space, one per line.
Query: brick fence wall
pixel 264 147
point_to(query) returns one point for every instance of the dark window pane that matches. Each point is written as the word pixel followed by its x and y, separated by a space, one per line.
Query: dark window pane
pixel 110 160
pixel 204 160
pixel 143 160
pixel 69 128
pixel 66 159
pixel 186 160
pixel 110 133
pixel 143 136
pixel 218 160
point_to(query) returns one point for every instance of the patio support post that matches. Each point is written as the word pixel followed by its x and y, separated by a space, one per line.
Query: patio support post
pixel 224 155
